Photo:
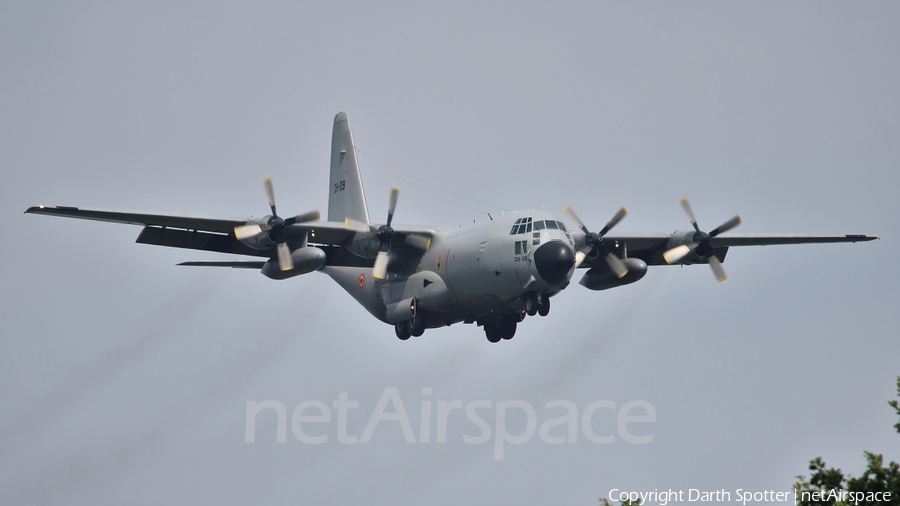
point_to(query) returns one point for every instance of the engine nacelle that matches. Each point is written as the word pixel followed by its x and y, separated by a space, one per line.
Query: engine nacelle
pixel 682 238
pixel 260 240
pixel 306 259
pixel 601 277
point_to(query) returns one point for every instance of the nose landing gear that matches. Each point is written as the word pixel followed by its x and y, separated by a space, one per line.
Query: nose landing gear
pixel 535 304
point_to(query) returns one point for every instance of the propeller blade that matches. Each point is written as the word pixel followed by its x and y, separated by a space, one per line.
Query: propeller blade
pixel 381 264
pixel 357 226
pixel 579 258
pixel 302 218
pixel 245 231
pixel 725 227
pixel 576 219
pixel 689 213
pixel 284 257
pixel 677 253
pixel 422 242
pixel 270 192
pixel 717 269
pixel 616 265
pixel 392 205
pixel 614 221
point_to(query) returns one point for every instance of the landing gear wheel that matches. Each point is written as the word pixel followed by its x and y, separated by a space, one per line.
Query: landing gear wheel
pixel 544 307
pixel 402 330
pixel 531 304
pixel 508 329
pixel 492 333
pixel 416 326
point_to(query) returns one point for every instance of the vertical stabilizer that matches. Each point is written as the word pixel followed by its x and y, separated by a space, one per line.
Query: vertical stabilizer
pixel 346 198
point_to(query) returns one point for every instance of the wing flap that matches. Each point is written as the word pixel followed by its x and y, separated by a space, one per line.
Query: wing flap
pixel 192 239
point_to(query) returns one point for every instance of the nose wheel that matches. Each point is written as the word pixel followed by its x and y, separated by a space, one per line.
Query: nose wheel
pixel 544 307
pixel 537 305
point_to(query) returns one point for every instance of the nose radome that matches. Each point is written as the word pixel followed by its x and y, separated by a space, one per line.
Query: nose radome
pixel 554 260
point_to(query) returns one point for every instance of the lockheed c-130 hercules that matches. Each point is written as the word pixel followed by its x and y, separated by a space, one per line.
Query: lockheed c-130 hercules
pixel 492 273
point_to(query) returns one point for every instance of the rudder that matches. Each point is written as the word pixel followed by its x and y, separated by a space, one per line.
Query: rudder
pixel 346 198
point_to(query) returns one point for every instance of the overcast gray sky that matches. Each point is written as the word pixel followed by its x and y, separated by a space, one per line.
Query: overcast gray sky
pixel 124 378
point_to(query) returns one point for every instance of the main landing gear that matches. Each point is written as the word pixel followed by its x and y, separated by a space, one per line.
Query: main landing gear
pixel 414 327
pixel 503 329
pixel 535 304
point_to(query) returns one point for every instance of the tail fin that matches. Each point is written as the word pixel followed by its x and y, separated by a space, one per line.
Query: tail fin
pixel 346 198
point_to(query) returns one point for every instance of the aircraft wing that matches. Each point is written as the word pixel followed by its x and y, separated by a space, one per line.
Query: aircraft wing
pixel 221 225
pixel 650 247
pixel 726 240
pixel 208 233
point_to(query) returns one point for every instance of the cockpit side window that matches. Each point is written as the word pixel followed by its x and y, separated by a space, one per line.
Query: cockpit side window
pixel 551 224
pixel 561 225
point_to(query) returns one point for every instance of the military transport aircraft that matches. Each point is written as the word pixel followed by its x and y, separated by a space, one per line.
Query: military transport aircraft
pixel 492 273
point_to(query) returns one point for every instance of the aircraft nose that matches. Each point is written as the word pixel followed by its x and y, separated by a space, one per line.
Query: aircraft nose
pixel 554 260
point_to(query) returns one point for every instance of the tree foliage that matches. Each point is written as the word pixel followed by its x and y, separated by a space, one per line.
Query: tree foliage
pixel 828 486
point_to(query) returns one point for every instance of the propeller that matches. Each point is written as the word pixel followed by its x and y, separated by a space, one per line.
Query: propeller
pixel 386 235
pixel 275 226
pixel 700 242
pixel 593 242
